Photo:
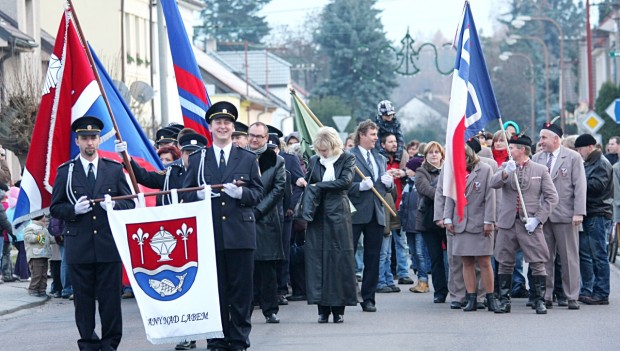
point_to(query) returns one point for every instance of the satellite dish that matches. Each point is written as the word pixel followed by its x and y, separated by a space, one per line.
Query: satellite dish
pixel 122 88
pixel 141 91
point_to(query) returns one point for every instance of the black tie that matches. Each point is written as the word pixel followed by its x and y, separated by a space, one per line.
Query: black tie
pixel 222 162
pixel 91 175
pixel 369 162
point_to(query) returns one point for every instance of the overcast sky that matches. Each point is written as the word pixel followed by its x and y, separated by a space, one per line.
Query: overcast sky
pixel 423 17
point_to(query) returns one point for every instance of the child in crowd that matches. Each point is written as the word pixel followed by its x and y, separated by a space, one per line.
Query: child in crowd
pixel 387 123
pixel 38 243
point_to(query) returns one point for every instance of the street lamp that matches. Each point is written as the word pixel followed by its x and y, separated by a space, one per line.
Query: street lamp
pixel 505 56
pixel 512 39
pixel 519 22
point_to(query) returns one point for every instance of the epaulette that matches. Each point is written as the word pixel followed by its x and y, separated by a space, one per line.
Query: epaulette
pixel 111 160
pixel 66 163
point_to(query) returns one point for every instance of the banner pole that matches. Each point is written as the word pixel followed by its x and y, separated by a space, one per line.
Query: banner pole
pixel 357 170
pixel 126 161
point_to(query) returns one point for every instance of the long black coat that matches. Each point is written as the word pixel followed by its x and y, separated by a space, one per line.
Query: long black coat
pixel 329 249
pixel 268 225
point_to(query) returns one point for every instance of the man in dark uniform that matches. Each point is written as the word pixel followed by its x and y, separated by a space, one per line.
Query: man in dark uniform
pixel 174 175
pixel 234 224
pixel 240 135
pixel 93 260
pixel 166 136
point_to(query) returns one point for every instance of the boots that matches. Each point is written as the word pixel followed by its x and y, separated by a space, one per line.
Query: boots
pixel 492 302
pixel 471 302
pixel 505 286
pixel 539 291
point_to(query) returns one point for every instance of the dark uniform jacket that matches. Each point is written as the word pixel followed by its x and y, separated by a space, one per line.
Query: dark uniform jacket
pixel 88 238
pixel 268 227
pixel 233 219
pixel 172 177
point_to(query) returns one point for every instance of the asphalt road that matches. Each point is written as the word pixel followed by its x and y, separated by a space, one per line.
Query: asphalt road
pixel 404 321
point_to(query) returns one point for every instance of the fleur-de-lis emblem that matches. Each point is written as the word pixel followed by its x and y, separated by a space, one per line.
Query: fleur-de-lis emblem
pixel 184 232
pixel 140 237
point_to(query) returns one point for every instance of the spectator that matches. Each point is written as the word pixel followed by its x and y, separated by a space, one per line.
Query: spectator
pixel 38 243
pixel 7 232
pixel 512 128
pixel 499 148
pixel 330 282
pixel 412 148
pixel 594 265
pixel 292 138
pixel 57 227
pixel 5 173
pixel 55 262
pixel 168 154
pixel 21 270
pixel 613 148
pixel 387 123
pixel 349 143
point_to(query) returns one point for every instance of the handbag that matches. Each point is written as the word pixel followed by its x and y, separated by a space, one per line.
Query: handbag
pixel 309 201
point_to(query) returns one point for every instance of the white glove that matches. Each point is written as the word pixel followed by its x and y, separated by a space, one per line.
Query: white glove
pixel 233 190
pixel 366 184
pixel 202 193
pixel 82 206
pixel 105 207
pixel 510 166
pixel 387 180
pixel 531 224
pixel 120 146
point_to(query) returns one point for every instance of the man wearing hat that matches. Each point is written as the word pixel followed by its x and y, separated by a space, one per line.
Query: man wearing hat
pixel 166 136
pixel 594 264
pixel 515 229
pixel 269 249
pixel 562 229
pixel 240 135
pixel 93 261
pixel 234 224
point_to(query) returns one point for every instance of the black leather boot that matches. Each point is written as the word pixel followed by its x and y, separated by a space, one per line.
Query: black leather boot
pixel 471 302
pixel 505 287
pixel 492 302
pixel 539 289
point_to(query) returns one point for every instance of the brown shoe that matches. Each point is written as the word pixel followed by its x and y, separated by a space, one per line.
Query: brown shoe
pixel 421 287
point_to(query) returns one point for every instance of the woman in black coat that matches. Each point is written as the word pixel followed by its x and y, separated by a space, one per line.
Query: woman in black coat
pixel 330 262
pixel 435 237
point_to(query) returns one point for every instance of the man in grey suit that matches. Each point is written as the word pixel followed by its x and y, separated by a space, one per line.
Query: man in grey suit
pixel 515 231
pixel 562 229
pixel 370 215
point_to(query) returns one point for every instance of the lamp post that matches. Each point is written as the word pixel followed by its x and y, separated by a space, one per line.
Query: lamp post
pixel 511 40
pixel 505 56
pixel 520 22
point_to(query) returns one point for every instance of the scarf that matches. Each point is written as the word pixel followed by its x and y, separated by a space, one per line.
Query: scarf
pixel 328 163
pixel 258 151
pixel 500 156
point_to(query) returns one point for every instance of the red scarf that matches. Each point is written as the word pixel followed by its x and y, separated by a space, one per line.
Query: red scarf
pixel 500 156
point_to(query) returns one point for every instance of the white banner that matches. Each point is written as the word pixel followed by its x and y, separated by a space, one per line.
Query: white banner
pixel 169 255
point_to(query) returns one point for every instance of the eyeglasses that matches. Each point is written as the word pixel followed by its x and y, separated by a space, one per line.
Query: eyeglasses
pixel 254 136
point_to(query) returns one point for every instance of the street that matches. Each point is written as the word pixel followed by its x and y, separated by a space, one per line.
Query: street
pixel 404 321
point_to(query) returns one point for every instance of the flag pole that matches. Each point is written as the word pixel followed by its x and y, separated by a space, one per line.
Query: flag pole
pixel 126 161
pixel 357 170
pixel 501 124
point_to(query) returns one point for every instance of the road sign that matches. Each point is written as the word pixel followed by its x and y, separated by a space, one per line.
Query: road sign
pixel 341 122
pixel 614 53
pixel 613 110
pixel 592 122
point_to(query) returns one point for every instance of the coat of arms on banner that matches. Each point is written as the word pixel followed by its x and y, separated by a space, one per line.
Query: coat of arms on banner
pixel 164 256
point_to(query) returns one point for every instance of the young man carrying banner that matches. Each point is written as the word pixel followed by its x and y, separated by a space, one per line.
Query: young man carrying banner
pixel 234 225
pixel 93 260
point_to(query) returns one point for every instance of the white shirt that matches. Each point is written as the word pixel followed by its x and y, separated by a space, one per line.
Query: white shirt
pixel 217 151
pixel 365 154
pixel 86 162
pixel 556 154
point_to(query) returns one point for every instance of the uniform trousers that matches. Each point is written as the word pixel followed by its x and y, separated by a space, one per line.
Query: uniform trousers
pixel 373 238
pixel 563 239
pixel 533 245
pixel 235 270
pixel 97 283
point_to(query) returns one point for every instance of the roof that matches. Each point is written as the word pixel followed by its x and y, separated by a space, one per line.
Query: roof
pixel 11 34
pixel 279 72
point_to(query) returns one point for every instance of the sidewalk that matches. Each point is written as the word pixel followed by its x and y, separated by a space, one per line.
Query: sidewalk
pixel 14 297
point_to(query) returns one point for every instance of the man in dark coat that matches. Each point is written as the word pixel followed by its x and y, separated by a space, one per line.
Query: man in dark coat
pixel 370 215
pixel 234 225
pixel 93 261
pixel 268 226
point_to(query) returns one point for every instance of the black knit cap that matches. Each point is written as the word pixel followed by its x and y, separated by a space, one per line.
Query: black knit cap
pixel 554 128
pixel 585 140
pixel 520 140
pixel 474 144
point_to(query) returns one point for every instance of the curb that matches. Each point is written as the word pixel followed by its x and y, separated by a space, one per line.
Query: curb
pixel 24 306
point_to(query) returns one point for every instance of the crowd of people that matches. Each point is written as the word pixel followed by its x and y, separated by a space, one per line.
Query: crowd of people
pixel 369 210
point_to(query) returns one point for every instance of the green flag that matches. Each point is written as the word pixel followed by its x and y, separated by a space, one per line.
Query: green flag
pixel 306 126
